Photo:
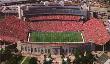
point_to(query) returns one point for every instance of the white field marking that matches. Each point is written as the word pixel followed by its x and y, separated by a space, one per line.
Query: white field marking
pixel 82 37
pixel 24 60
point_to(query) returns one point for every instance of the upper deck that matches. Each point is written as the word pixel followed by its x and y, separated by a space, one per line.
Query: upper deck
pixel 34 10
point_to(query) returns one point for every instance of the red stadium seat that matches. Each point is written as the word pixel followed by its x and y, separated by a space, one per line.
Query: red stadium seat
pixel 95 30
pixel 56 17
pixel 12 29
pixel 56 26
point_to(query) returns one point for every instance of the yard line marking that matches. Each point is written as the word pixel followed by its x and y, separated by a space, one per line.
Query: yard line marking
pixel 24 60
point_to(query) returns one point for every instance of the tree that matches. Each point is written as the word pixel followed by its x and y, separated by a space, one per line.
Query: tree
pixel 33 61
pixel 7 56
pixel 106 1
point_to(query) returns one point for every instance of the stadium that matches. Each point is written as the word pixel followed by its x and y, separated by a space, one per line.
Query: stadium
pixel 39 29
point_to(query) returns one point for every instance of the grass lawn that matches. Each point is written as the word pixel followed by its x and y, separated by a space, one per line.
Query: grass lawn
pixel 56 37
pixel 21 59
pixel 15 59
pixel 26 60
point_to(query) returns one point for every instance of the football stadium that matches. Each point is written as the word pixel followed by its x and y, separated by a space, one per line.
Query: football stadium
pixel 39 29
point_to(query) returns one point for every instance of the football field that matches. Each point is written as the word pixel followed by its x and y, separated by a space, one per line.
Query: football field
pixel 56 37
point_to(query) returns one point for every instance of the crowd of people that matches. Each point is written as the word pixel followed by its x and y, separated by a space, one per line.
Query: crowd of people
pixel 13 28
pixel 55 26
pixel 56 17
pixel 95 31
pixel 92 30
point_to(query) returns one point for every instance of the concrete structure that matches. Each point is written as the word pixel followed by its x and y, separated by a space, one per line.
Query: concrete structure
pixel 36 49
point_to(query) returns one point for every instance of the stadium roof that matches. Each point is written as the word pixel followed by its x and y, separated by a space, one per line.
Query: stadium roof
pixel 46 10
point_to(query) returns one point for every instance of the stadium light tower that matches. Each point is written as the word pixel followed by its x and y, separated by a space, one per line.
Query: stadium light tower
pixel 0 45
pixel 29 37
pixel 103 48
pixel 19 45
pixel 20 12
pixel 91 42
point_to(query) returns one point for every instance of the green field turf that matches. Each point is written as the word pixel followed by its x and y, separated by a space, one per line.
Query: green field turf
pixel 26 61
pixel 56 37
